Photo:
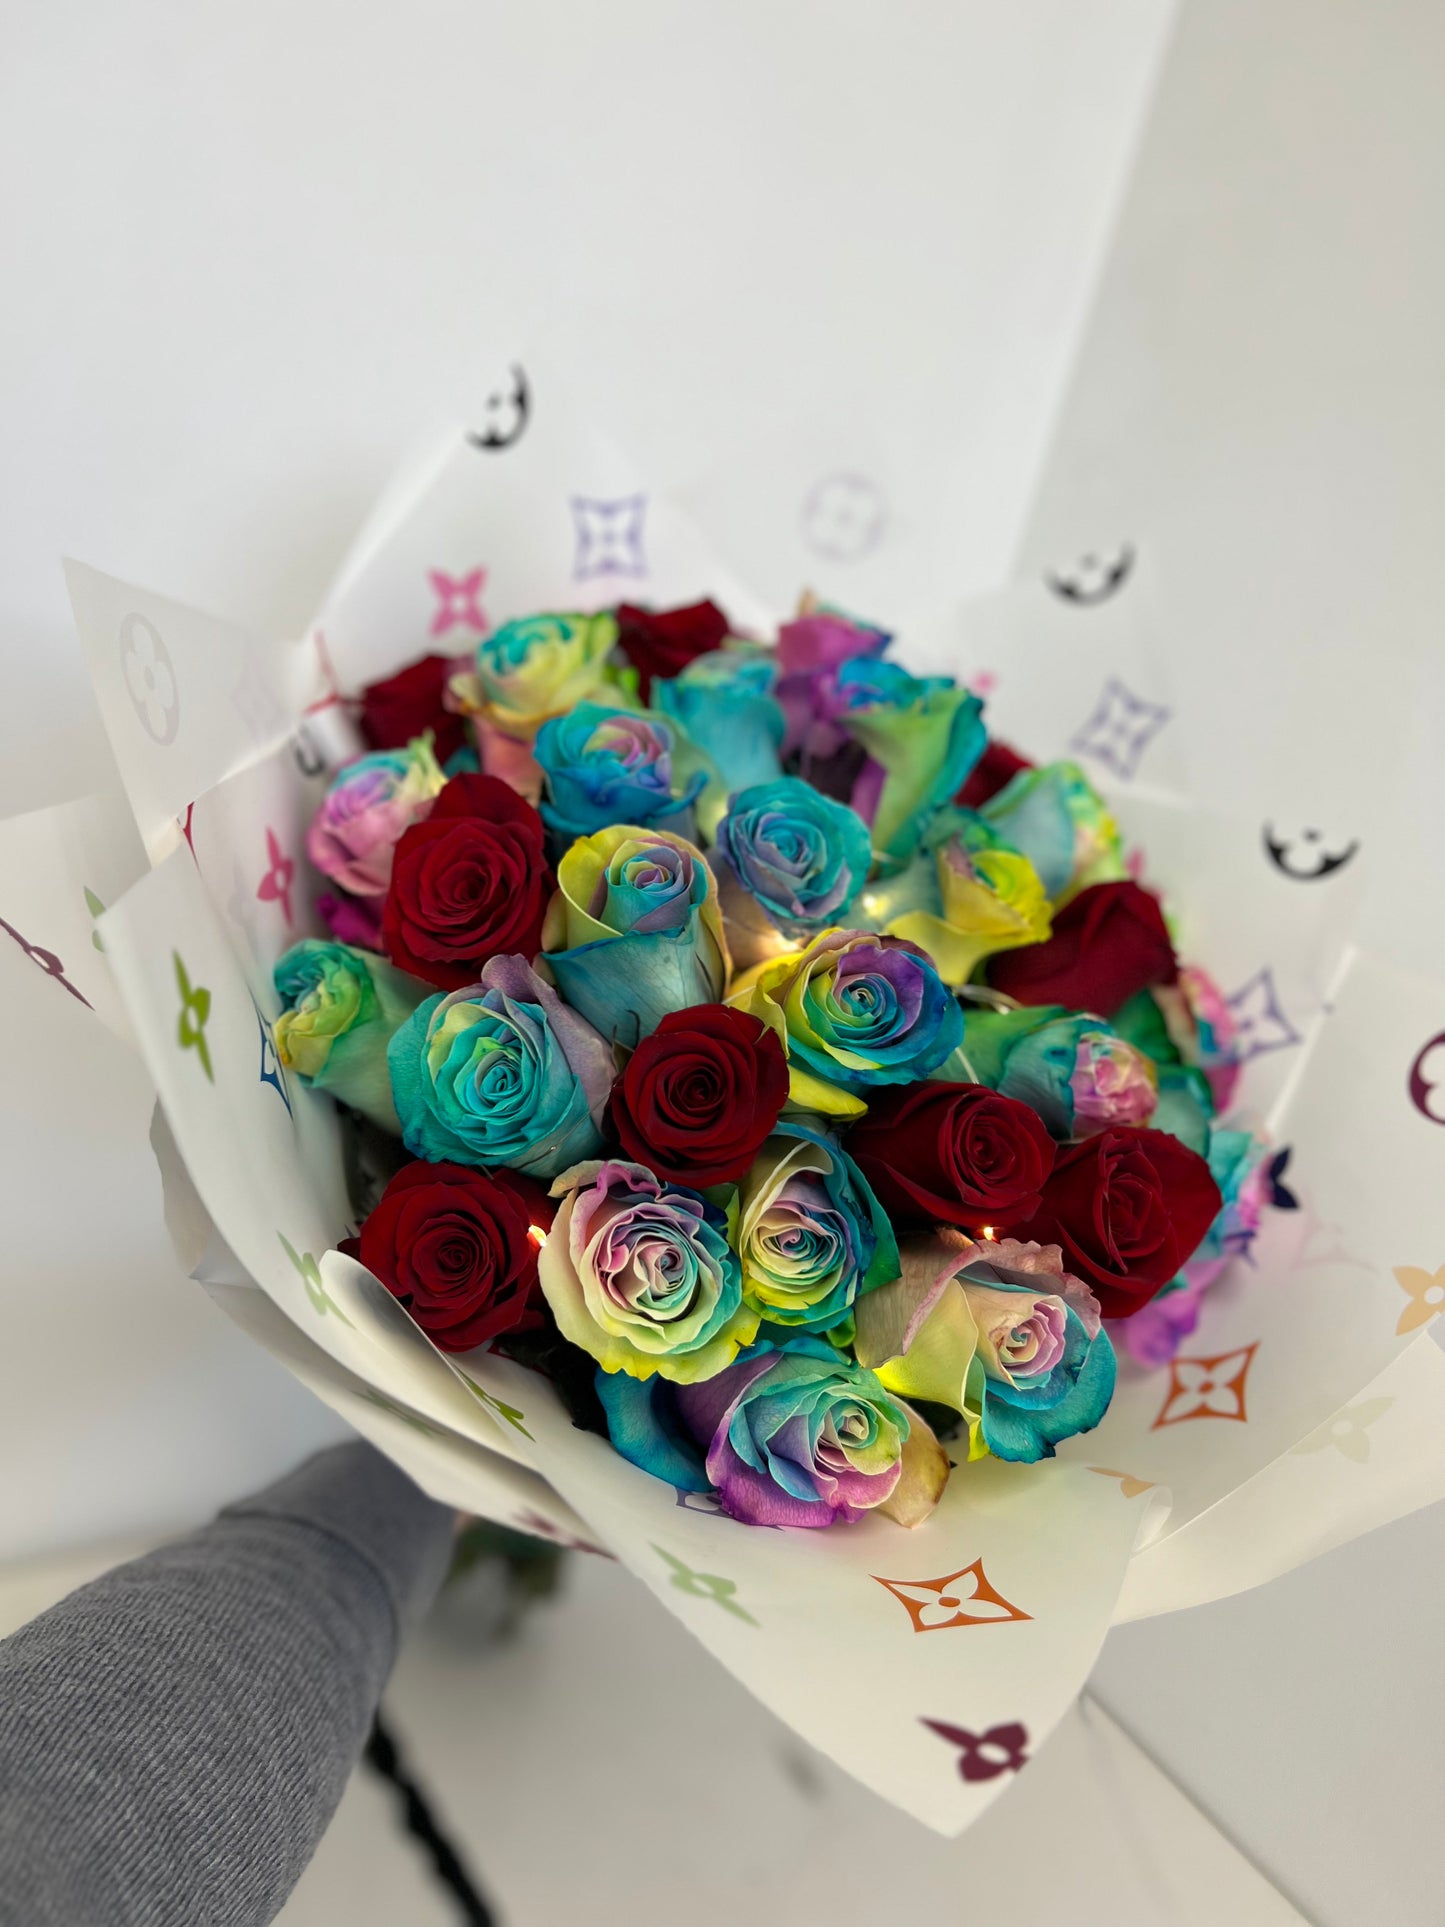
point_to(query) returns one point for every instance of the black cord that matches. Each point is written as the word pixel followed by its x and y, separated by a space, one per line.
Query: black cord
pixel 384 1759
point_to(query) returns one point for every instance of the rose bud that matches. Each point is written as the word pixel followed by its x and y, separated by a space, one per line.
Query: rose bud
pixel 1128 1209
pixel 468 884
pixel 700 1095
pixel 1108 942
pixel 459 1249
pixel 955 1154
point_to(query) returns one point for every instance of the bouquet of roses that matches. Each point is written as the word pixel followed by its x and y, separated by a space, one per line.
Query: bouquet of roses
pixel 671 1079
pixel 795 1076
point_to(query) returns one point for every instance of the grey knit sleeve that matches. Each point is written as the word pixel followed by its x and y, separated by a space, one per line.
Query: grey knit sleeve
pixel 175 1737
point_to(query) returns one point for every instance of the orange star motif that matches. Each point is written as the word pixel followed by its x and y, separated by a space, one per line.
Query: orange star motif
pixel 1128 1484
pixel 1426 1292
pixel 1206 1387
pixel 963 1598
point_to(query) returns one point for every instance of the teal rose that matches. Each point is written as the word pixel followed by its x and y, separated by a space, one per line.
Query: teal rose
pixel 340 1009
pixel 501 1072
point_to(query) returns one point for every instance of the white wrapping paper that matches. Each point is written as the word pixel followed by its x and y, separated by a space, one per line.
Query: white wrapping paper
pixel 1303 1409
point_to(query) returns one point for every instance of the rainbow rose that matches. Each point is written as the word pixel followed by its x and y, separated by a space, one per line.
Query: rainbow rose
pixel 634 931
pixel 340 1009
pixel 640 1274
pixel 602 766
pixel 921 735
pixel 789 861
pixel 999 1332
pixel 810 1233
pixel 1060 822
pixel 723 703
pixel 363 815
pixel 801 1437
pixel 1078 1075
pixel 790 1436
pixel 536 667
pixel 964 897
pixel 853 1012
pixel 501 1072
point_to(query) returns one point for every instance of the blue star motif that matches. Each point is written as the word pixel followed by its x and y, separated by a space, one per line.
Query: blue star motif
pixel 271 1071
pixel 1263 1025
pixel 1120 730
pixel 609 536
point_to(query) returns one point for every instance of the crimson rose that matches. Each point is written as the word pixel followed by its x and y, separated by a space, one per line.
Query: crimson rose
pixel 961 1154
pixel 1109 941
pixel 458 1248
pixel 998 766
pixel 400 707
pixel 662 642
pixel 469 883
pixel 1128 1208
pixel 700 1094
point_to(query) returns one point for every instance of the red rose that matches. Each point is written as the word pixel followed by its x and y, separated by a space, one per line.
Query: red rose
pixel 400 707
pixel 458 1248
pixel 1108 942
pixel 700 1094
pixel 661 642
pixel 961 1154
pixel 1128 1208
pixel 469 883
pixel 998 766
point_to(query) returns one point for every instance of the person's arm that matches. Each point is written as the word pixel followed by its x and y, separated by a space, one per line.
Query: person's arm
pixel 175 1737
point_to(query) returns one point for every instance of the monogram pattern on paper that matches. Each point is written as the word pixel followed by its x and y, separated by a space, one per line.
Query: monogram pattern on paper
pixel 1348 1432
pixel 1207 1387
pixel 310 1274
pixel 704 1585
pixel 150 678
pixel 1120 730
pixel 1426 1293
pixel 195 1014
pixel 609 536
pixel 275 885
pixel 459 602
pixel 1263 1025
pixel 963 1598
pixel 844 517
pixel 983 1756
pixel 47 960
pixel 1128 1484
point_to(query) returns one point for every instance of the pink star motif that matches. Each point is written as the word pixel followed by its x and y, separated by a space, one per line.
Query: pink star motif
pixel 275 886
pixel 459 603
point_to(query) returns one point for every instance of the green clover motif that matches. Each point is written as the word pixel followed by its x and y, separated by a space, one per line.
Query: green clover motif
pixel 195 1014
pixel 306 1265
pixel 384 1404
pixel 704 1585
pixel 508 1412
pixel 96 908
